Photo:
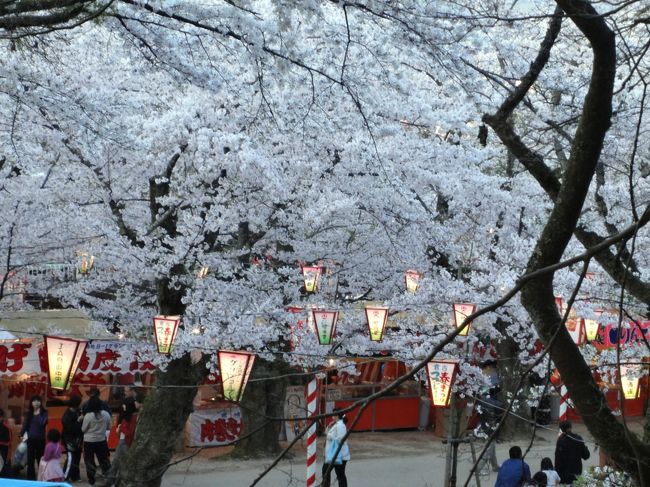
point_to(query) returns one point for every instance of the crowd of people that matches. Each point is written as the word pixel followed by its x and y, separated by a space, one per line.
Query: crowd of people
pixel 84 432
pixel 570 451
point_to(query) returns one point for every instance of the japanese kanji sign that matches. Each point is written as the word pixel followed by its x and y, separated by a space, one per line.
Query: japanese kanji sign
pixel 214 427
pixel 235 368
pixel 325 322
pixel 165 329
pixel 441 374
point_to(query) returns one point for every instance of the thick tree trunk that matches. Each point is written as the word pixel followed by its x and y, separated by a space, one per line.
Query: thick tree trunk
pixel 263 398
pixel 161 422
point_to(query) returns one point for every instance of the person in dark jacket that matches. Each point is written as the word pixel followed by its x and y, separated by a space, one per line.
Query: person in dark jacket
pixel 34 427
pixel 5 443
pixel 570 450
pixel 73 438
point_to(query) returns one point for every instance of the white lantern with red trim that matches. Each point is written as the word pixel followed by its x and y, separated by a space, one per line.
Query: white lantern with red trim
pixel 376 316
pixel 165 329
pixel 461 312
pixel 235 369
pixel 592 327
pixel 63 357
pixel 325 323
pixel 412 280
pixel 441 375
pixel 576 328
pixel 311 276
pixel 630 381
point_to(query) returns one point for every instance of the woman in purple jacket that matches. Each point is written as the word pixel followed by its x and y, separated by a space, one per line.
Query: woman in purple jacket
pixel 34 426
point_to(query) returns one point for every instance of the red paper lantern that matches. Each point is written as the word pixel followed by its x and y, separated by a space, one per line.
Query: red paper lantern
pixel 462 311
pixel 63 357
pixel 376 316
pixel 441 375
pixel 165 329
pixel 235 369
pixel 325 323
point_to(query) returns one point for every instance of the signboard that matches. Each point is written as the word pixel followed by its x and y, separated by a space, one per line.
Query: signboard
pixel 295 406
pixel 214 427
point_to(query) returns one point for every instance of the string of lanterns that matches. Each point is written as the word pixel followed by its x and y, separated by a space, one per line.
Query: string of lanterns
pixel 235 367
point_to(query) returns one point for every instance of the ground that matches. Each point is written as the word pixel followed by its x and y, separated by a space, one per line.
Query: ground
pixel 405 459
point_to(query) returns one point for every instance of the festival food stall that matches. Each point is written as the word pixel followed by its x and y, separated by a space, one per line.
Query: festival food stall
pixel 23 362
pixel 399 410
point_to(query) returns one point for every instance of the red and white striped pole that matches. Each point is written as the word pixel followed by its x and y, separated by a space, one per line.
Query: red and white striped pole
pixel 564 403
pixel 312 400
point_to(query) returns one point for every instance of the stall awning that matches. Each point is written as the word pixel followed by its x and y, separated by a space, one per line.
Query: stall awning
pixel 66 322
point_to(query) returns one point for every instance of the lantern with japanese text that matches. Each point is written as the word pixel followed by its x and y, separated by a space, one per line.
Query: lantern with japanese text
pixel 412 280
pixel 85 263
pixel 559 302
pixel 311 275
pixel 235 369
pixel 630 381
pixel 376 316
pixel 165 329
pixel 325 323
pixel 461 312
pixel 591 329
pixel 441 374
pixel 63 357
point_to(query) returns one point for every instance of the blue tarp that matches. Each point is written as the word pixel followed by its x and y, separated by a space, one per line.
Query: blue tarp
pixel 28 483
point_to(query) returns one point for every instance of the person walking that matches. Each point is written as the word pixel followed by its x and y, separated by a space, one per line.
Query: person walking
pixel 491 411
pixel 96 423
pixel 552 477
pixel 570 451
pixel 34 429
pixel 335 433
pixel 73 438
pixel 514 472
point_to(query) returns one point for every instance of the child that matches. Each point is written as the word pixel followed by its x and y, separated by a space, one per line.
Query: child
pixel 49 469
pixel 552 477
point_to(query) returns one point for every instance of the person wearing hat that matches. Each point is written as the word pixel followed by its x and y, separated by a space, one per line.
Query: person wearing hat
pixel 570 451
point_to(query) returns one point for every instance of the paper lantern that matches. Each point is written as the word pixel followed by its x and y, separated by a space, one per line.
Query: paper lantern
pixel 325 323
pixel 559 302
pixel 441 375
pixel 630 381
pixel 412 280
pixel 311 276
pixel 376 316
pixel 591 329
pixel 85 263
pixel 235 369
pixel 203 272
pixel 63 357
pixel 165 329
pixel 462 311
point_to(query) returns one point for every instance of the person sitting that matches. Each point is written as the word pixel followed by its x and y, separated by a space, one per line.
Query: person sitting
pixel 514 472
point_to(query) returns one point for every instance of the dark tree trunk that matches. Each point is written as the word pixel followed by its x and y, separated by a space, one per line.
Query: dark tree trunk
pixel 510 370
pixel 262 399
pixel 161 422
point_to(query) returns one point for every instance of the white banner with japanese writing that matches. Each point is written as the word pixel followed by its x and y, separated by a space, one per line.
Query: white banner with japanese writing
pixel 214 427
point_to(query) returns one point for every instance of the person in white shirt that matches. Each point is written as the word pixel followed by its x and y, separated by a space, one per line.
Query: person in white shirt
pixel 552 477
pixel 335 433
pixel 96 422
